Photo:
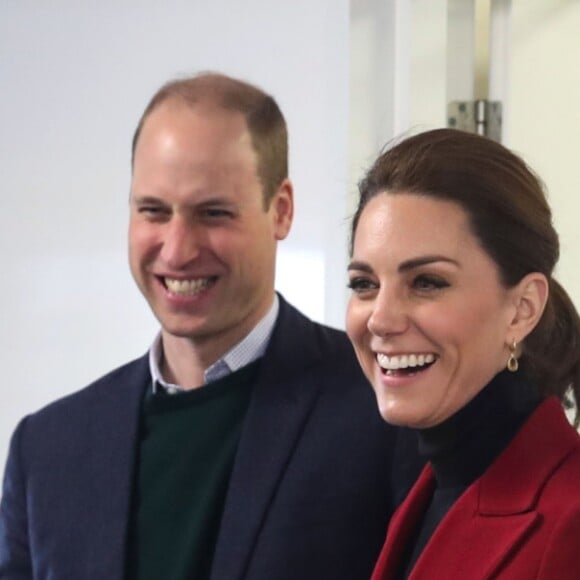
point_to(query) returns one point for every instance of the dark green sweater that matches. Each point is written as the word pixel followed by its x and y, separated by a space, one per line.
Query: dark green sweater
pixel 187 447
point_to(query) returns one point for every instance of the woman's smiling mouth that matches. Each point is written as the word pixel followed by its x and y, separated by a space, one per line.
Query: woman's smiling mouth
pixel 405 363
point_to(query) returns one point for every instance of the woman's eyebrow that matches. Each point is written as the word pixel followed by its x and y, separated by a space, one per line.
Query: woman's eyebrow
pixel 360 266
pixel 404 266
pixel 423 261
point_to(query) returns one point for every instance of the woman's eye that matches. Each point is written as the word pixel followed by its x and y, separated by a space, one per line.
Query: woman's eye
pixel 426 283
pixel 361 284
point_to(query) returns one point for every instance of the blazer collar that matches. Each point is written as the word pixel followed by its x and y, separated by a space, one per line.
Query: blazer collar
pixel 493 514
pixel 281 401
pixel 549 435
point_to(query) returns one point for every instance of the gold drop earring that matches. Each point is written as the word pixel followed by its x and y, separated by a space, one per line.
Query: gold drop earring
pixel 512 363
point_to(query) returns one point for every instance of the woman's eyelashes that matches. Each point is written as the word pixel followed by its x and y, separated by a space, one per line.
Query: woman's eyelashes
pixel 421 283
pixel 429 283
pixel 361 284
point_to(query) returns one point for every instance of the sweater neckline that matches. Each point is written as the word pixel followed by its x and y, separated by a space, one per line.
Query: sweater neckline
pixel 462 447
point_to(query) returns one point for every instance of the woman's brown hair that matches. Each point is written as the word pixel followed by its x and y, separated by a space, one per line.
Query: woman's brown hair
pixel 511 218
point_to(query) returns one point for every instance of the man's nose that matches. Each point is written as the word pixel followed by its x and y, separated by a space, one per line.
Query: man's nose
pixel 182 242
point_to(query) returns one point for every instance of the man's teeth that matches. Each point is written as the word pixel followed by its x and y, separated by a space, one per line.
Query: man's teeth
pixel 186 287
pixel 392 363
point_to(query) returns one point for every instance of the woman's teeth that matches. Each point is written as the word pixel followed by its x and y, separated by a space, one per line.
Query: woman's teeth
pixel 404 361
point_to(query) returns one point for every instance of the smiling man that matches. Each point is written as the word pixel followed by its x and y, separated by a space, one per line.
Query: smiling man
pixel 245 444
pixel 202 234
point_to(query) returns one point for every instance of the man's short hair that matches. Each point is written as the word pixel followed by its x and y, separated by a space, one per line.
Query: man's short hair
pixel 266 124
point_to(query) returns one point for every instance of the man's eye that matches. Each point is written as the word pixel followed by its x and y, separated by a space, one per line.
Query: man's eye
pixel 214 212
pixel 359 285
pixel 150 210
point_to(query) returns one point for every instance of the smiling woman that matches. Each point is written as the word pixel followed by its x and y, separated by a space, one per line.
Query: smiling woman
pixel 466 337
pixel 419 291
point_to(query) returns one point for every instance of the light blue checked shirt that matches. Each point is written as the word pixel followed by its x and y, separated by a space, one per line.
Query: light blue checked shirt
pixel 246 351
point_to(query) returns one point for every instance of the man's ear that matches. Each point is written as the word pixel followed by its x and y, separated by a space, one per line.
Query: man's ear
pixel 282 208
pixel 529 298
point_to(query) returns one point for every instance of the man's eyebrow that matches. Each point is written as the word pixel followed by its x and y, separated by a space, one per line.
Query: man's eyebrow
pixel 215 201
pixel 210 201
pixel 147 199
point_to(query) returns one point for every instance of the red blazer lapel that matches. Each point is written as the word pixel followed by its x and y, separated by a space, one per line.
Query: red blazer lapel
pixel 513 483
pixel 402 525
pixel 469 545
pixel 490 522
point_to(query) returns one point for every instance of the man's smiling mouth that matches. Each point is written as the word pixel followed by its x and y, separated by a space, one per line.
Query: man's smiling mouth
pixel 187 287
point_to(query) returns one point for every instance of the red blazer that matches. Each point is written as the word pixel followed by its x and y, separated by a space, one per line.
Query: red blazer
pixel 520 520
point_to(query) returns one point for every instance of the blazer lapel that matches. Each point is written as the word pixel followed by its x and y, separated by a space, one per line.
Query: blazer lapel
pixel 282 399
pixel 114 423
pixel 469 545
pixel 491 519
pixel 402 525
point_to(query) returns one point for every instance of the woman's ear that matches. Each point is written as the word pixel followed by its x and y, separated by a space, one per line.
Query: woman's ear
pixel 529 298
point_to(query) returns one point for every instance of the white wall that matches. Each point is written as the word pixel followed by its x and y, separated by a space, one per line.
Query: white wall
pixel 541 92
pixel 74 79
pixel 544 120
pixel 379 67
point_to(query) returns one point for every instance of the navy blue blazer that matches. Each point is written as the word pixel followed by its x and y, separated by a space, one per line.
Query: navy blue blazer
pixel 311 492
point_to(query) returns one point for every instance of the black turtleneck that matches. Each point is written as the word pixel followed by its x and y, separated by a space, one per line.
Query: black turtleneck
pixel 462 447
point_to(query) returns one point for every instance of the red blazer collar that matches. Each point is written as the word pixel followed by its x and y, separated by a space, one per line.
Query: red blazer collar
pixel 493 515
pixel 534 454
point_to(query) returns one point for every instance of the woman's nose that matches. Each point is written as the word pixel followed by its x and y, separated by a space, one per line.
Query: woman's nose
pixel 389 315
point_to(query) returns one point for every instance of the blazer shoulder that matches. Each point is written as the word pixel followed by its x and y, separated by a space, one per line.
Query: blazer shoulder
pixel 126 381
pixel 294 328
pixel 334 340
pixel 563 483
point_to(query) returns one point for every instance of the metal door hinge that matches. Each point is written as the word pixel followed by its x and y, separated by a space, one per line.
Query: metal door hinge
pixel 481 116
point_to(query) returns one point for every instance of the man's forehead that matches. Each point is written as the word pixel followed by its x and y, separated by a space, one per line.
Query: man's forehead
pixel 176 106
pixel 200 125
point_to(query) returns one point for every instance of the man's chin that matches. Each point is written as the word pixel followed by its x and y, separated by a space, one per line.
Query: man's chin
pixel 181 326
pixel 185 332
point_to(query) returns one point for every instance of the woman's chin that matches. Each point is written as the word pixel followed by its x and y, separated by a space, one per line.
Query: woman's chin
pixel 401 415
